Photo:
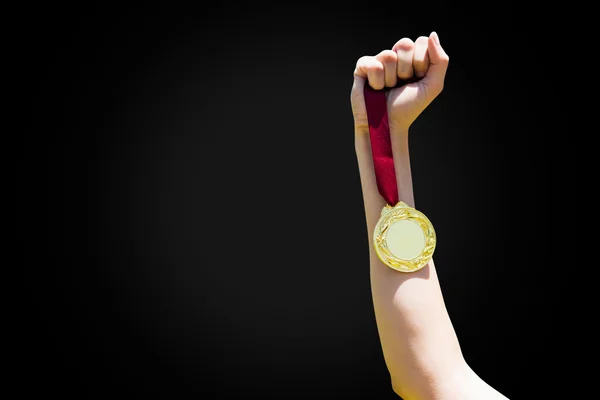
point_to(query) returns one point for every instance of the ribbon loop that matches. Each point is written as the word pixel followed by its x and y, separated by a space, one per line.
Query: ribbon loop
pixel 381 145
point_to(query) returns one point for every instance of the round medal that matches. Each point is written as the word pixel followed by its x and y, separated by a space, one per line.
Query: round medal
pixel 404 238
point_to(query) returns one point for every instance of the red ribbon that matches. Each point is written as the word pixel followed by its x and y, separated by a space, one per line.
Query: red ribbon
pixel 381 144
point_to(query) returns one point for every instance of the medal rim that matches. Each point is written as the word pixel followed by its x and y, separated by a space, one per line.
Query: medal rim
pixel 390 215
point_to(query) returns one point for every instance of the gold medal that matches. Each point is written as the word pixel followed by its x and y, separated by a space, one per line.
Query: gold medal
pixel 404 238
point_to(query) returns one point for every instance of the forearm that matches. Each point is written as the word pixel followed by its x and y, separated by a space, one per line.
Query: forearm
pixel 419 343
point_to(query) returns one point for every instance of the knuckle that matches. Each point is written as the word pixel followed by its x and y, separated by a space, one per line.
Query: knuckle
pixel 404 44
pixel 362 61
pixel 387 56
pixel 376 67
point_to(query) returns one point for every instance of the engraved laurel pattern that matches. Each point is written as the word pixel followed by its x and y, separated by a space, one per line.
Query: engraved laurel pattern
pixel 388 218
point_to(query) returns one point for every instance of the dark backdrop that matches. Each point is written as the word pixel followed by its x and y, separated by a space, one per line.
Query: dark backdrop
pixel 193 196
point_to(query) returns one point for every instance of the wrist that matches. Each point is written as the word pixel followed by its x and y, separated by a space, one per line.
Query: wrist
pixel 399 130
pixel 395 130
pixel 361 130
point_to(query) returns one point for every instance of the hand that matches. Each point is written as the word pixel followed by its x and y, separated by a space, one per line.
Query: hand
pixel 418 68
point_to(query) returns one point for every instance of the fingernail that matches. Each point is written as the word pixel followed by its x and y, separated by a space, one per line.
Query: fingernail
pixel 436 38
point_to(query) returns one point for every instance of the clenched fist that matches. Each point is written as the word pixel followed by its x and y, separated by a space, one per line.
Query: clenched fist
pixel 416 72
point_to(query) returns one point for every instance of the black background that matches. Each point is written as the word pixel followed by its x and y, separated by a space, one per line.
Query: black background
pixel 155 136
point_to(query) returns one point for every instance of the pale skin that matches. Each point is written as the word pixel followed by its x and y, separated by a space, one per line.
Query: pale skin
pixel 420 347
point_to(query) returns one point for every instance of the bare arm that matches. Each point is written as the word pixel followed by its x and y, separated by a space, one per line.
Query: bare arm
pixel 419 343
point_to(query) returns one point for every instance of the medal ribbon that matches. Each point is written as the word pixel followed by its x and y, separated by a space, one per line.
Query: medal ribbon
pixel 381 144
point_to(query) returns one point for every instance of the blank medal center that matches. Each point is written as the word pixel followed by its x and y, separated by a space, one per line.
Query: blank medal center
pixel 405 239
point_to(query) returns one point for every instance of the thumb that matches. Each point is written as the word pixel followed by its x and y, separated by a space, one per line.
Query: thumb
pixel 438 63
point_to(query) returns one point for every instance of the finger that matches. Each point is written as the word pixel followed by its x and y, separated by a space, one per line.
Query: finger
pixel 438 64
pixel 404 49
pixel 372 69
pixel 388 59
pixel 421 56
